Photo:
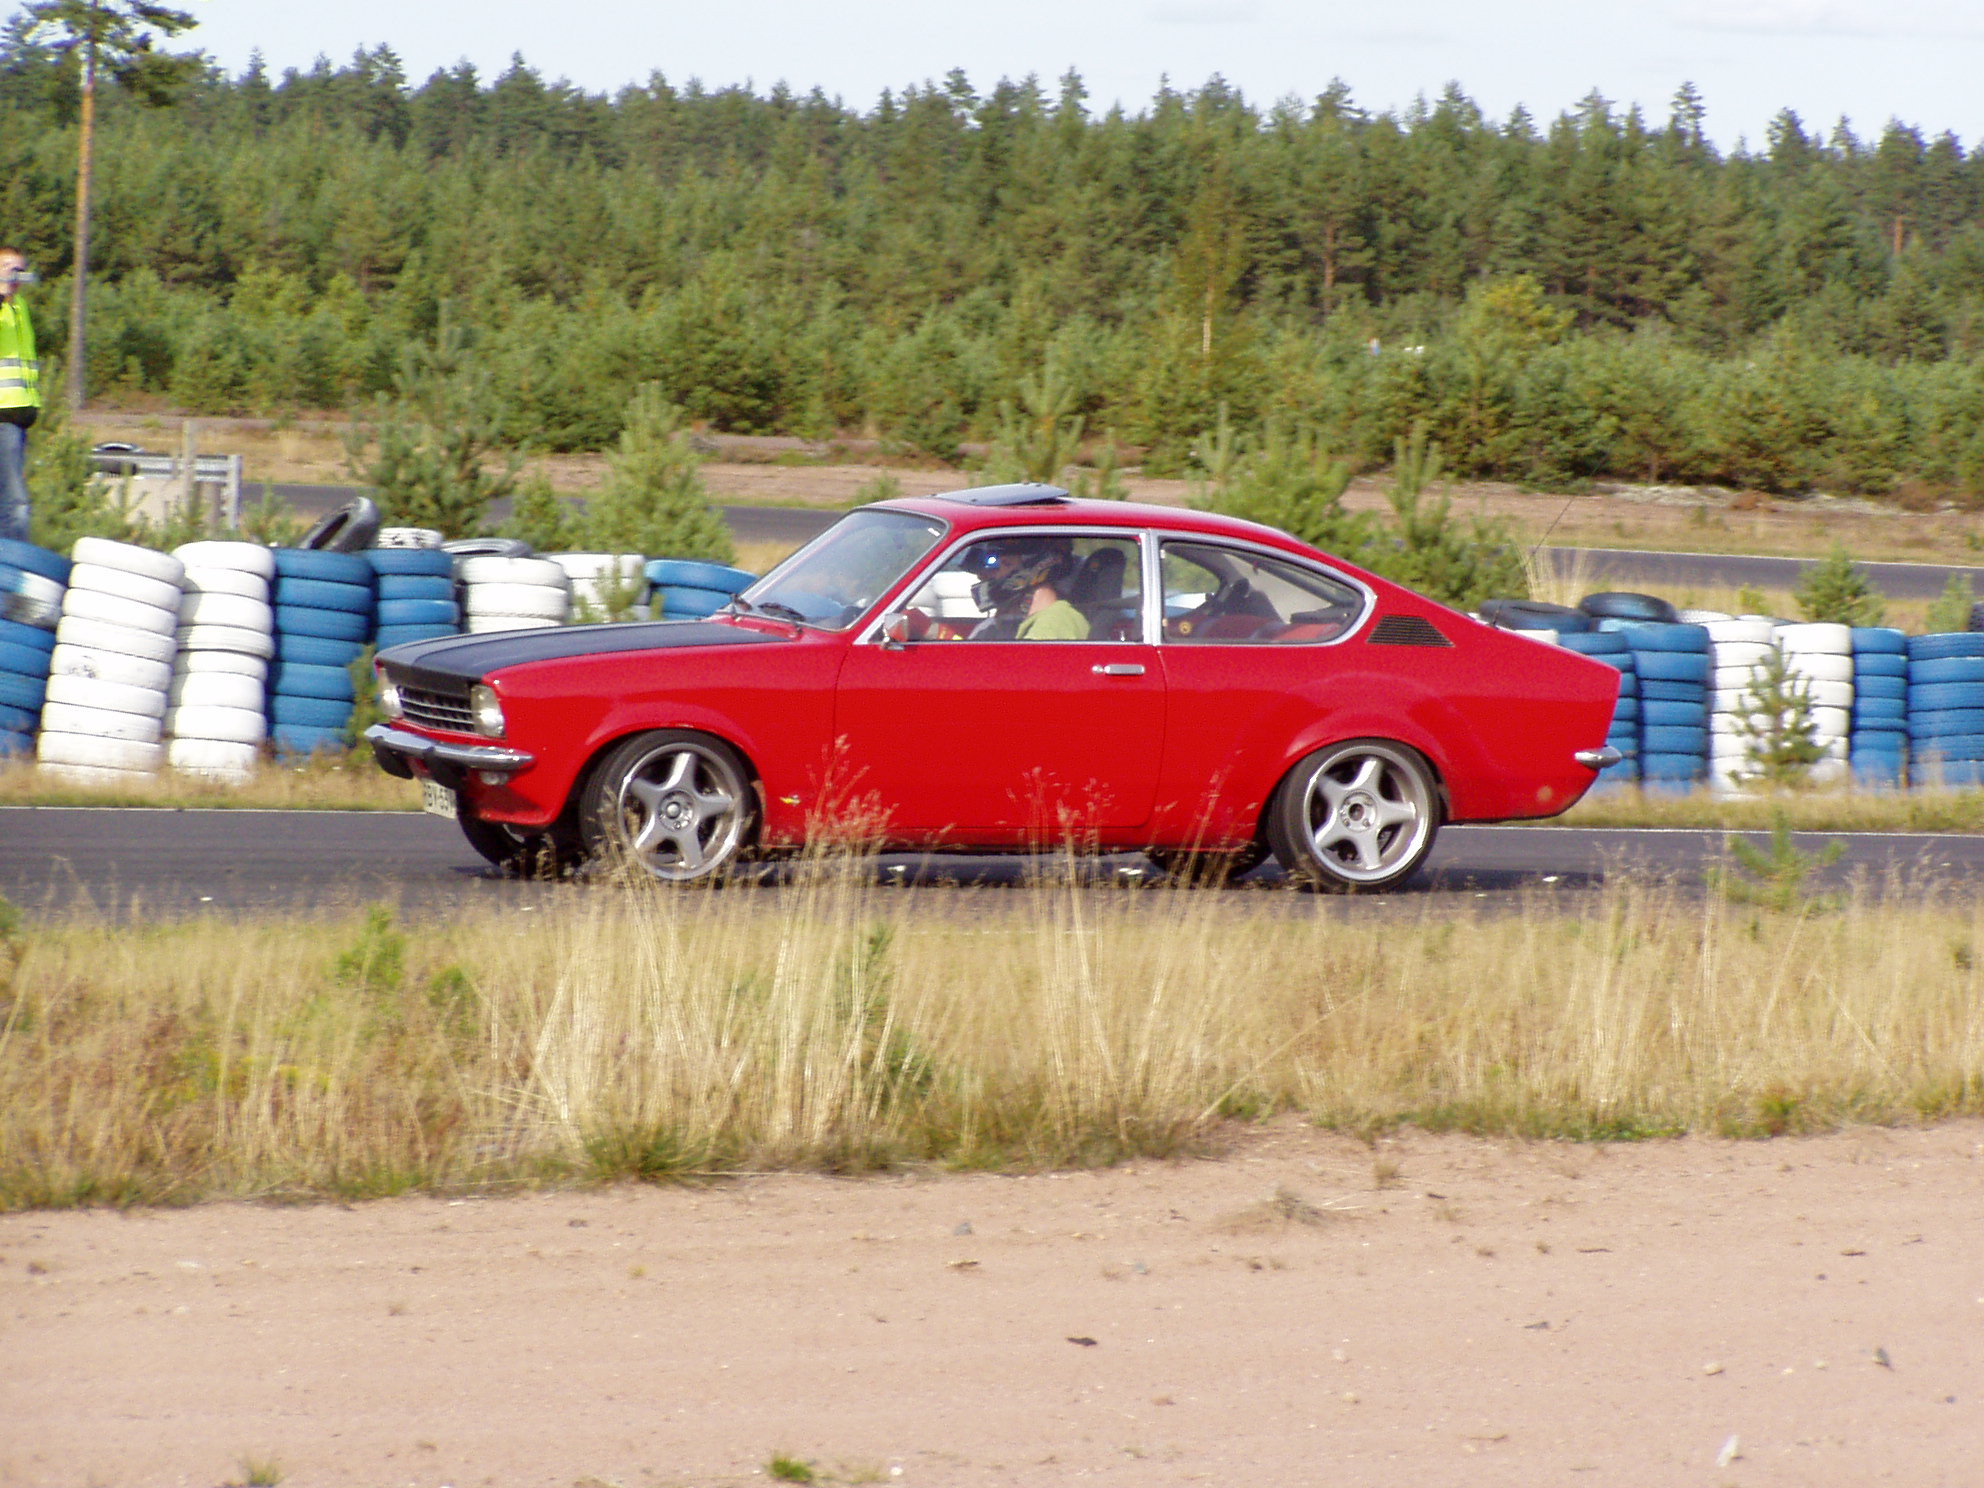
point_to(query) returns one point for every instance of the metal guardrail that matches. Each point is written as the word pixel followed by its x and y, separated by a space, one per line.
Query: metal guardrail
pixel 223 471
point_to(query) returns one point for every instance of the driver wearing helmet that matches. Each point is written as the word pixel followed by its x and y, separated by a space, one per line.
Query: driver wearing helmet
pixel 1022 591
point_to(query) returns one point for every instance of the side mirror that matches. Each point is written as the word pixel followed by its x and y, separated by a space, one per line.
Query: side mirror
pixel 895 631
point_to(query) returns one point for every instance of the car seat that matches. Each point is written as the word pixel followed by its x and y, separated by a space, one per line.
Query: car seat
pixel 1097 591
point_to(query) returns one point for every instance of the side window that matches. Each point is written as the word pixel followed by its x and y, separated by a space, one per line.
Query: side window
pixel 1020 587
pixel 1225 596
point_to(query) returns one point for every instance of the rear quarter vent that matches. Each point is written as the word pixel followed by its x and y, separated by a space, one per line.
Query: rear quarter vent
pixel 1406 630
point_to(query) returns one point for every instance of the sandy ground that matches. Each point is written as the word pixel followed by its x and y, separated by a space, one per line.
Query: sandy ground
pixel 1434 1311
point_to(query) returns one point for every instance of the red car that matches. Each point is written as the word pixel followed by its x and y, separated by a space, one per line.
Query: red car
pixel 1007 669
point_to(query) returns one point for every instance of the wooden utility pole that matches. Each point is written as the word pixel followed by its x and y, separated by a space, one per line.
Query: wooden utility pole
pixel 73 380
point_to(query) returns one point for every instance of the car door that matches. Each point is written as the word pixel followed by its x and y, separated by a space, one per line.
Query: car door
pixel 968 733
pixel 1249 660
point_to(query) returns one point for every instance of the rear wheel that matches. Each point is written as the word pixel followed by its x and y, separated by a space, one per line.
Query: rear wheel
pixel 1357 815
pixel 675 804
pixel 520 851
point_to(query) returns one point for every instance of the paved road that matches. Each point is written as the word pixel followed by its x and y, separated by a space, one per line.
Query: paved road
pixel 145 864
pixel 1627 568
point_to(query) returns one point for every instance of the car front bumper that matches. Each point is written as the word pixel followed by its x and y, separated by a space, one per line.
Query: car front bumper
pixel 398 750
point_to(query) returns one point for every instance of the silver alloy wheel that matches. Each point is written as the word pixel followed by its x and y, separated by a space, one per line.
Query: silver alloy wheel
pixel 1360 814
pixel 681 807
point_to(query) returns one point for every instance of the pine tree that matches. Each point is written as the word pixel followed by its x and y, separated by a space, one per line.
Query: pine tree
pixel 1776 722
pixel 434 449
pixel 1835 590
pixel 653 500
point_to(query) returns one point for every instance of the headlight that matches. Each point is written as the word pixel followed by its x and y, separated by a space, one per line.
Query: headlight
pixel 389 699
pixel 487 710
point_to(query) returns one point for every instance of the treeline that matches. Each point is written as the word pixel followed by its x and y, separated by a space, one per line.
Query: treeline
pixel 1599 295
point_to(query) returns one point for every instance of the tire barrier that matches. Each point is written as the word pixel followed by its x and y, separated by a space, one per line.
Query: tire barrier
pixel 218 719
pixel 1819 658
pixel 325 603
pixel 1624 731
pixel 103 717
pixel 415 584
pixel 1673 664
pixel 33 585
pixel 500 593
pixel 1943 727
pixel 605 586
pixel 1877 749
pixel 686 589
pixel 1739 647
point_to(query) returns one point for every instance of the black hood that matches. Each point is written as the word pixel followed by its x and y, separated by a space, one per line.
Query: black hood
pixel 453 661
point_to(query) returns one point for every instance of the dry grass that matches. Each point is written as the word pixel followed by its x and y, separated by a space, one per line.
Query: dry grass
pixel 827 1025
pixel 354 783
pixel 1828 809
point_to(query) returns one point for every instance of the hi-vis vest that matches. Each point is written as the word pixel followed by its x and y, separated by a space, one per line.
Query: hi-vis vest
pixel 20 371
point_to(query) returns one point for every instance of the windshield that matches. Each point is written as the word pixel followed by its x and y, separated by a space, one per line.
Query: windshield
pixel 836 578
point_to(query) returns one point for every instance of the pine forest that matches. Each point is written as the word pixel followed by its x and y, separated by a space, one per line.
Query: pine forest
pixel 1603 295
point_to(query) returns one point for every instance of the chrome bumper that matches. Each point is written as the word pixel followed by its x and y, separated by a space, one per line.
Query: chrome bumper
pixel 396 749
pixel 1598 759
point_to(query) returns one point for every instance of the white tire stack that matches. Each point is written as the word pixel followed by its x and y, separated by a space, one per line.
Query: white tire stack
pixel 512 593
pixel 112 665
pixel 1821 656
pixel 407 537
pixel 605 586
pixel 217 719
pixel 1737 650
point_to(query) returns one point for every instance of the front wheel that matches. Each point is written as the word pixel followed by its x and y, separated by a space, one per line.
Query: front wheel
pixel 520 851
pixel 675 804
pixel 1356 815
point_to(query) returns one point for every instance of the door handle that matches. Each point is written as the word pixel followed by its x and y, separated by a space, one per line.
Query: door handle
pixel 1118 669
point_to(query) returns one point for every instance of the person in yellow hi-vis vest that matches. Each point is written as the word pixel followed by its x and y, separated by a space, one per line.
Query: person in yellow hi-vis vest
pixel 20 394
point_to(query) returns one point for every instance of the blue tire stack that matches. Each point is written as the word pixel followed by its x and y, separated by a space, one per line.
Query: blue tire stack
pixel 1946 709
pixel 32 582
pixel 1672 663
pixel 324 605
pixel 1610 648
pixel 685 589
pixel 416 589
pixel 1877 748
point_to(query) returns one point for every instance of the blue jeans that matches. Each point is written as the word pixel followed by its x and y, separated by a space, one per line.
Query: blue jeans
pixel 13 482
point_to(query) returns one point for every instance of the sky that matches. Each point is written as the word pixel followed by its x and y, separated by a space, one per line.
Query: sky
pixel 1868 60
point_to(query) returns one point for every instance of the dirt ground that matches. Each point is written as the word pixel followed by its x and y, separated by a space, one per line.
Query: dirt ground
pixel 1304 1310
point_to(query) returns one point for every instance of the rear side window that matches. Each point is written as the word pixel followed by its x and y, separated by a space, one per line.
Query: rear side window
pixel 1226 596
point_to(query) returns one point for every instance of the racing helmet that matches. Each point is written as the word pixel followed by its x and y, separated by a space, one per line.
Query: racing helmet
pixel 1010 569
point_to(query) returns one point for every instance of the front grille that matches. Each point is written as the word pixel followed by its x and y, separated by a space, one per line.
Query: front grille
pixel 1407 630
pixel 437 710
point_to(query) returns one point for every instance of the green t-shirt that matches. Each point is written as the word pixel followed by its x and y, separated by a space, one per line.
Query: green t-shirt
pixel 1060 621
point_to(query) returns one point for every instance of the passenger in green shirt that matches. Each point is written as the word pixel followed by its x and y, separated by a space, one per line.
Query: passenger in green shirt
pixel 1052 618
pixel 1024 577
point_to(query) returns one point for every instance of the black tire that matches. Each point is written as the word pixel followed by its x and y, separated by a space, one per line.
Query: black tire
pixel 1532 614
pixel 1210 869
pixel 522 853
pixel 349 529
pixel 1629 607
pixel 675 805
pixel 1356 816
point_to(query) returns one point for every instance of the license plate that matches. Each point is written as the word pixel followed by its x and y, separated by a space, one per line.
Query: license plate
pixel 438 799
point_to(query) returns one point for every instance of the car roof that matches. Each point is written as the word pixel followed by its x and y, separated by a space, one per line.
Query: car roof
pixel 1007 507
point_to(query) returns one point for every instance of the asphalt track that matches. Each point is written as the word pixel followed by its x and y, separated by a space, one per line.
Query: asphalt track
pixel 140 864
